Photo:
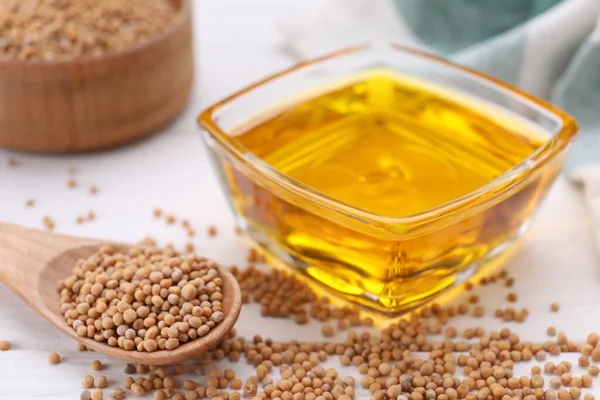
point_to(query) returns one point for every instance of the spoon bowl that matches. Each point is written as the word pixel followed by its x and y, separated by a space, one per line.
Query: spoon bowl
pixel 33 263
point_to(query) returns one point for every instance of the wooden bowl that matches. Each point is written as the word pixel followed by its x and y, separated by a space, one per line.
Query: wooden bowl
pixel 98 101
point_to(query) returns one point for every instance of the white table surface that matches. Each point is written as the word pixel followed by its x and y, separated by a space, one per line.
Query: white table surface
pixel 238 42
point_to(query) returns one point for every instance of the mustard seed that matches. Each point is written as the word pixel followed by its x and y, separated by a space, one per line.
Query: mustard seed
pixel 170 300
pixel 596 354
pixel 575 393
pixel 117 394
pixel 235 384
pixel 555 383
pixel 554 307
pixel 87 382
pixel 97 394
pixel 48 223
pixel 30 203
pixel 93 190
pixel 85 395
pixel 586 381
pixel 537 381
pixel 100 382
pixel 5 345
pixel 593 370
pixel 327 330
pixel 96 365
pixel 137 389
pixel 212 230
pixel 54 358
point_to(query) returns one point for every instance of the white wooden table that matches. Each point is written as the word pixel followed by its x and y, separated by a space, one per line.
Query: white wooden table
pixel 237 42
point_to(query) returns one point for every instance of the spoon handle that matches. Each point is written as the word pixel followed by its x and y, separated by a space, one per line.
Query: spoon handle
pixel 24 253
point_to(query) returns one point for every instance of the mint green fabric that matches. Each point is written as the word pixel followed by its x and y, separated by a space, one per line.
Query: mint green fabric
pixel 548 47
pixel 578 93
pixel 452 25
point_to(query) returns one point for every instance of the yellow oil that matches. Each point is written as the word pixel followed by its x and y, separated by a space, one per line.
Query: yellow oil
pixel 393 148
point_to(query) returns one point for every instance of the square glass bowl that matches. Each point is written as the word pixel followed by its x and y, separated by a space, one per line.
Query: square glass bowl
pixel 388 264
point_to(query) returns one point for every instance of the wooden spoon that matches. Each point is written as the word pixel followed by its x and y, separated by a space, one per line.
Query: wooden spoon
pixel 32 263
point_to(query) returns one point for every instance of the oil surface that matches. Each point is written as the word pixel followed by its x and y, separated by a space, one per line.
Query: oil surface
pixel 395 149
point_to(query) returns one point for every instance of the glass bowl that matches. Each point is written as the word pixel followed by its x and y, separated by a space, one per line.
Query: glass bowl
pixel 388 264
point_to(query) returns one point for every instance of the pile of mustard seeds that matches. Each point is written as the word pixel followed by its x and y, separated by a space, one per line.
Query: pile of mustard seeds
pixel 145 300
pixel 70 29
pixel 418 357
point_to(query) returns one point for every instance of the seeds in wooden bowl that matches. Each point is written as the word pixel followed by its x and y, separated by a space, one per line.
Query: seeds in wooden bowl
pixel 145 300
pixel 71 29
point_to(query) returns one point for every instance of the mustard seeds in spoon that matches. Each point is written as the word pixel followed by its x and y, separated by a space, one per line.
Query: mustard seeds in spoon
pixel 144 300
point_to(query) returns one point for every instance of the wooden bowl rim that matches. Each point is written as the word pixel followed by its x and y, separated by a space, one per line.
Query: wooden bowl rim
pixel 178 23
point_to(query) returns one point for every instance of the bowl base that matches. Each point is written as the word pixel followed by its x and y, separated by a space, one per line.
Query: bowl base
pixel 382 304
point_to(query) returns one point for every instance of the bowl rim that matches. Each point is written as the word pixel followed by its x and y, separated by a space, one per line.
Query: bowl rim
pixel 184 13
pixel 501 187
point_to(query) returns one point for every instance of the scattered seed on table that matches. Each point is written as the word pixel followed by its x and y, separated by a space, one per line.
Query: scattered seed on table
pixel 85 395
pixel 554 307
pixel 137 389
pixel 212 231
pixel 117 394
pixel 87 382
pixel 596 354
pixel 100 382
pixel 91 215
pixel 5 345
pixel 54 358
pixel 97 394
pixel 170 218
pixel 236 384
pixel 93 191
pixel 96 365
pixel 48 223
pixel 11 161
pixel 189 247
pixel 327 330
pixel 157 213
pixel 551 331
pixel 30 203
